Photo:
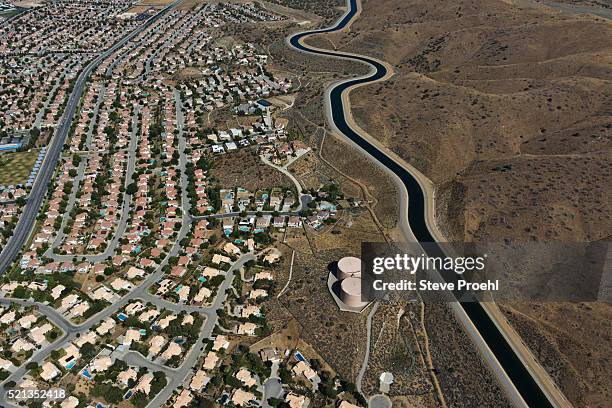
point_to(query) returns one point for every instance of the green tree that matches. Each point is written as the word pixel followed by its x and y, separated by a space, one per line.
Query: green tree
pixel 32 365
pixel 20 292
pixel 131 189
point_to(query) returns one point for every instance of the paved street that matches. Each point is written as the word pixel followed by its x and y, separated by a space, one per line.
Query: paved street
pixel 79 177
pixel 304 198
pixel 71 331
pixel 186 369
pixel 272 387
pixel 177 375
pixel 93 105
pixel 39 189
pixel 125 207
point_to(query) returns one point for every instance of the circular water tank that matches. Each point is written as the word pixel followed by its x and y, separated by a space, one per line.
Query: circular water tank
pixel 350 292
pixel 386 378
pixel 349 267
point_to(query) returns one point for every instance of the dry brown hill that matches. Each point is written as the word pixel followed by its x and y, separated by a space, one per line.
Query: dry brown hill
pixel 490 97
pixel 507 107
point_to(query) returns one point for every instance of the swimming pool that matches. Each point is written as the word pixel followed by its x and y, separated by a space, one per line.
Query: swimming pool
pixel 299 356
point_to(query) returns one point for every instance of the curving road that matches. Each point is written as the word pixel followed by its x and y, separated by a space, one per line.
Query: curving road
pixel 176 376
pixel 126 203
pixel 416 204
pixel 27 220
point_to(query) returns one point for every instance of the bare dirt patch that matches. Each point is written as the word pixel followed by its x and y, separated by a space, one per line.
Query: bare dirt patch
pixel 188 73
pixel 244 168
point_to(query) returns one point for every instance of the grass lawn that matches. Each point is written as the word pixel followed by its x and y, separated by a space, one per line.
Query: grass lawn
pixel 8 14
pixel 15 167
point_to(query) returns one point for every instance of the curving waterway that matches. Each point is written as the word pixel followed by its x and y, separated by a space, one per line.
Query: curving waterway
pixel 522 379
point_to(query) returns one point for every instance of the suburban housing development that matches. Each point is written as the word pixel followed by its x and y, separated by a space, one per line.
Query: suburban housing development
pixel 186 186
pixel 145 276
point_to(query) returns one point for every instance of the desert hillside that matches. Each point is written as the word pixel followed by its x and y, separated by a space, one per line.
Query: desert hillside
pixel 507 107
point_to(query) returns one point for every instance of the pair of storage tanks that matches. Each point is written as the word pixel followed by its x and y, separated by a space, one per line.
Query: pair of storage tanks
pixel 349 275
